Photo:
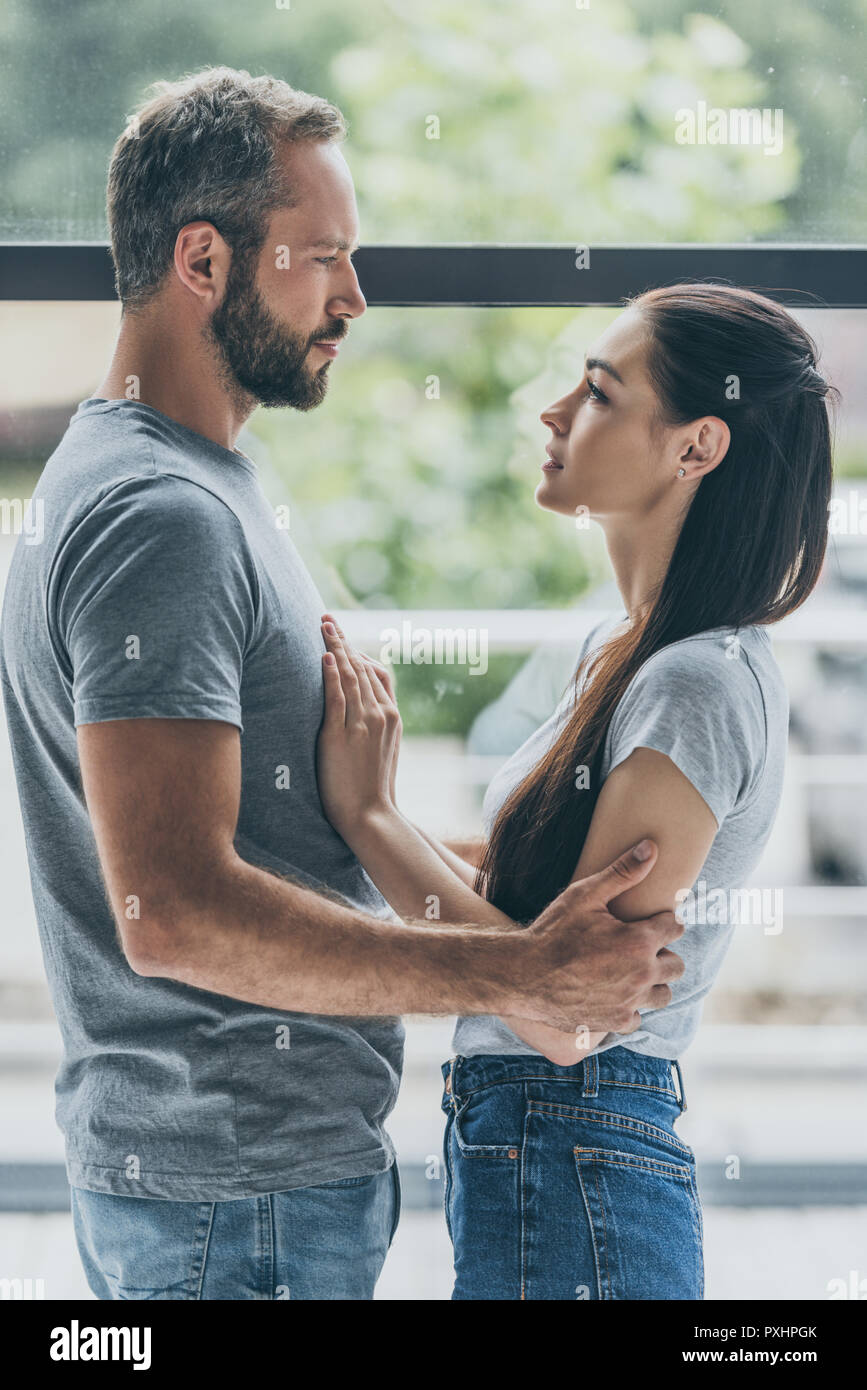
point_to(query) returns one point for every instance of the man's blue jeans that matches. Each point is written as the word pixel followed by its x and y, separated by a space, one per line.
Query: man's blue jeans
pixel 326 1242
pixel 570 1182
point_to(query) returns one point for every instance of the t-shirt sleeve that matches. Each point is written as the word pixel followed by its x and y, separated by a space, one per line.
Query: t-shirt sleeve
pixel 155 604
pixel 704 710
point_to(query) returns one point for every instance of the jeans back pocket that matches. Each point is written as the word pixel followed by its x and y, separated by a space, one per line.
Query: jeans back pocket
pixel 644 1222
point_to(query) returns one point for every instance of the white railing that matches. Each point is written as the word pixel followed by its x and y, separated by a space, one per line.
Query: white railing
pixel 522 629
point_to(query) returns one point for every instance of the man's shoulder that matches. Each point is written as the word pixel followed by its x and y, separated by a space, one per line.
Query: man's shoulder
pixel 95 452
pixel 111 467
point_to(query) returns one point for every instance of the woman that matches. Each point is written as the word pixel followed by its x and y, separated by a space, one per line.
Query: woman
pixel 699 439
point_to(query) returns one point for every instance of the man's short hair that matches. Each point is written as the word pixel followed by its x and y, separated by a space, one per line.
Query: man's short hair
pixel 204 148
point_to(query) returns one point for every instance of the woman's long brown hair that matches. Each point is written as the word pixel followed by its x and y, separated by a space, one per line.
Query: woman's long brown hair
pixel 749 551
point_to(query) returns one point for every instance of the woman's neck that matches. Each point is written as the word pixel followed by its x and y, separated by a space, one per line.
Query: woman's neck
pixel 640 553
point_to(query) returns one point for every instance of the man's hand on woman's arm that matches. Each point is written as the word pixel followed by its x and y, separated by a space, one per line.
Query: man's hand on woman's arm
pixel 163 797
pixel 646 794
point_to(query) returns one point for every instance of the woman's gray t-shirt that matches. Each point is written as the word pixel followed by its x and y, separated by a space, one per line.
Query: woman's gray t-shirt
pixel 717 706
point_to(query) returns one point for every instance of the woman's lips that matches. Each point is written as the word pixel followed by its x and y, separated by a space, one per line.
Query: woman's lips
pixel 552 466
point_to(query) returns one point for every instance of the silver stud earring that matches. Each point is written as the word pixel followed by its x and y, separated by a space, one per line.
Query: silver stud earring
pixel 681 472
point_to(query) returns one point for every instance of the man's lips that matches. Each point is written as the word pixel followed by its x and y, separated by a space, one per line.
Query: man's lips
pixel 328 346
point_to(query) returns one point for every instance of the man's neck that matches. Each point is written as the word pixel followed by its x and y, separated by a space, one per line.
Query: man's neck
pixel 171 370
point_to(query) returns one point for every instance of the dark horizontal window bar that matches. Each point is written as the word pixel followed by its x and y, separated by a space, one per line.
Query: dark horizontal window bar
pixel 832 276
pixel 42 1187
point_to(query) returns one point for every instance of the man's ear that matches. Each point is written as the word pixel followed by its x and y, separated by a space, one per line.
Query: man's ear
pixel 202 260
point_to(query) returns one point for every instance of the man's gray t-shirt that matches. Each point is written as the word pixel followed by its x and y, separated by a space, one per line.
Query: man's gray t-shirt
pixel 717 706
pixel 163 587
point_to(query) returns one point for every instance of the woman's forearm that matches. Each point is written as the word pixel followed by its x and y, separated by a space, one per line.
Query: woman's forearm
pixel 413 874
pixel 470 850
pixel 464 868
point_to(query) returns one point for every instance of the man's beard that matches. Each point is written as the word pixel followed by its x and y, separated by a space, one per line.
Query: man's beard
pixel 260 357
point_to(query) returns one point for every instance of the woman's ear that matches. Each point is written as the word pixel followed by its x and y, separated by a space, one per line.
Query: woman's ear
pixel 706 446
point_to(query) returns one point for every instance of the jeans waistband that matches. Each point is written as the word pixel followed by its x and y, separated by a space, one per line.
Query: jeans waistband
pixel 617 1065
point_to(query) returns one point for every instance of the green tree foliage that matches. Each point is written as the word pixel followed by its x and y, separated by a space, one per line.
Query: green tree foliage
pixel 527 121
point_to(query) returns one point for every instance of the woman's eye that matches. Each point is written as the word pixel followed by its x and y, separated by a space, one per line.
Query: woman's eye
pixel 596 393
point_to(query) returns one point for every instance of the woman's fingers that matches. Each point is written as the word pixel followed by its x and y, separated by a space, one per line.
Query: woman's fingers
pixel 352 692
pixel 363 697
pixel 373 677
pixel 359 666
pixel 368 702
pixel 368 694
pixel 383 694
pixel 379 689
pixel 370 662
pixel 335 702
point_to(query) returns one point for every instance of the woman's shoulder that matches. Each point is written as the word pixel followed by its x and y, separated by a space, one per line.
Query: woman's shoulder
pixel 715 704
pixel 738 662
pixel 724 679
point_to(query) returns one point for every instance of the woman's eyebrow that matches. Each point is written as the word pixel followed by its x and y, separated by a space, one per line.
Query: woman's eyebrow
pixel 591 362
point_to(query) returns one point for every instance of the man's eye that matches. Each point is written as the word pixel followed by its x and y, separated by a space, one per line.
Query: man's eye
pixel 327 260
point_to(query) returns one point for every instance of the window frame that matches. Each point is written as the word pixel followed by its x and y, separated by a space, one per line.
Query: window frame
pixel 502 276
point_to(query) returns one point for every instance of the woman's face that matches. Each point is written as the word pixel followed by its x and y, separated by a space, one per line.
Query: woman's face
pixel 610 454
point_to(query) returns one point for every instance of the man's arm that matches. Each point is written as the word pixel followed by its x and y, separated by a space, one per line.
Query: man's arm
pixel 164 795
pixel 646 795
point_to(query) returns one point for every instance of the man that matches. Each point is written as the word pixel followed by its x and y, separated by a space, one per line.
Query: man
pixel 226 978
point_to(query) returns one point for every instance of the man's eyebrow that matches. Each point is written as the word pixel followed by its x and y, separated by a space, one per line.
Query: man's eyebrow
pixel 339 244
pixel 591 362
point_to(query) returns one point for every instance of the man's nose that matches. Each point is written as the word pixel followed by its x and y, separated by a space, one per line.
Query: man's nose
pixel 350 302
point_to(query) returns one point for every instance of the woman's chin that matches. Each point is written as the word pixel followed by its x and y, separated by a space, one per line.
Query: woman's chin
pixel 551 498
pixel 545 494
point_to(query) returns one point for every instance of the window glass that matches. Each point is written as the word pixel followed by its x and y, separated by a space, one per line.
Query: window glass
pixel 536 120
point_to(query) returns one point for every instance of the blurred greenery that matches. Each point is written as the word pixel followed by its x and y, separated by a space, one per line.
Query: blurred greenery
pixel 416 478
pixel 425 500
pixel 553 124
pixel 446 700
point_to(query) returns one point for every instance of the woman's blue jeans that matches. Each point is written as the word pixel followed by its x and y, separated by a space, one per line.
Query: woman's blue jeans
pixel 570 1182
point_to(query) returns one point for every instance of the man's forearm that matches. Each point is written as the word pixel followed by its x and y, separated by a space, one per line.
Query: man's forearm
pixel 257 937
pixel 409 868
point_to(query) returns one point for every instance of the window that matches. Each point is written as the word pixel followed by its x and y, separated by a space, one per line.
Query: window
pixel 520 168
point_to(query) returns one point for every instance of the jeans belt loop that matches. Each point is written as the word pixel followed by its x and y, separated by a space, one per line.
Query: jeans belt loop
pixel 591 1076
pixel 452 1083
pixel 682 1096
